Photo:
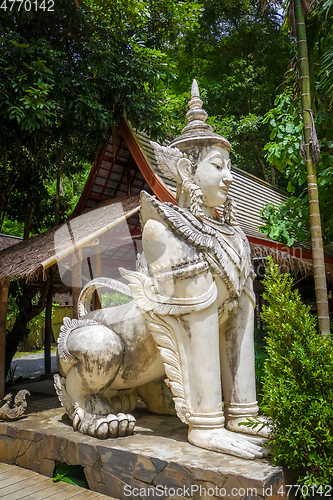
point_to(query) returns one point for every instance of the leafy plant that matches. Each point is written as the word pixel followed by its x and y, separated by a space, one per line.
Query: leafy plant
pixel 114 299
pixel 290 221
pixel 72 474
pixel 298 383
pixel 11 373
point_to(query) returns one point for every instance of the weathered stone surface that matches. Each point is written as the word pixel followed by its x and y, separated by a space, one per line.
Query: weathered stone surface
pixel 78 453
pixel 206 475
pixel 30 456
pixel 102 481
pixel 251 497
pixel 3 428
pixel 45 467
pixel 234 488
pixel 177 497
pixel 145 491
pixel 25 434
pixel 251 483
pixel 173 475
pixel 50 447
pixel 11 431
pixel 159 464
pixel 24 448
pixel 273 487
pixel 206 489
pixel 135 459
pixel 117 462
pixel 144 470
pixel 9 449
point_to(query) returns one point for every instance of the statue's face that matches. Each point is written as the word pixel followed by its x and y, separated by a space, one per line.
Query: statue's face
pixel 213 176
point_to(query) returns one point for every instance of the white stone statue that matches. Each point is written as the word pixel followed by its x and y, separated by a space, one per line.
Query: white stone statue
pixel 191 317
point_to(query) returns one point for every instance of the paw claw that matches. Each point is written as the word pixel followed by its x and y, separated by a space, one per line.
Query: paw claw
pixel 113 428
pixel 103 427
pixel 102 431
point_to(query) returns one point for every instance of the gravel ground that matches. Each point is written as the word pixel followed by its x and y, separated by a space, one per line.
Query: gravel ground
pixel 31 365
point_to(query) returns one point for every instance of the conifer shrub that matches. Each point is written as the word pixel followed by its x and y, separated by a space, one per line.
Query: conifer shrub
pixel 297 384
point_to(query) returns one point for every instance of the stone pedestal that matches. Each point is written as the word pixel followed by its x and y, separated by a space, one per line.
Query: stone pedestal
pixel 156 462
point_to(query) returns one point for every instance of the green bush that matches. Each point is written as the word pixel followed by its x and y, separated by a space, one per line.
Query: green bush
pixel 298 383
pixel 114 299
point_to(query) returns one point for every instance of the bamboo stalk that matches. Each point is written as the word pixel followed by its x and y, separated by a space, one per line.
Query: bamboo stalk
pixel 315 222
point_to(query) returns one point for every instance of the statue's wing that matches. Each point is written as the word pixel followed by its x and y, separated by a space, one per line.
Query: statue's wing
pixel 167 345
pixel 137 282
pixel 66 402
pixel 167 159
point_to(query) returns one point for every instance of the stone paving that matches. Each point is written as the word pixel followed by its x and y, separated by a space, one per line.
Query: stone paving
pixel 155 462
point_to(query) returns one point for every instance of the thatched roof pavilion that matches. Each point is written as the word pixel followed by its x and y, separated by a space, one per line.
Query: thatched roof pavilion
pixel 30 258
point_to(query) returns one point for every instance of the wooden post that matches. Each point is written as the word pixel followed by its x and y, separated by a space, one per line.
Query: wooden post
pixel 4 287
pixel 76 279
pixel 48 331
pixel 98 274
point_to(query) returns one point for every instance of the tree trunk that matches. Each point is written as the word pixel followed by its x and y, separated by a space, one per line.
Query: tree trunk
pixel 48 331
pixel 57 200
pixel 76 280
pixel 4 286
pixel 26 314
pixel 57 196
pixel 98 274
pixel 3 188
pixel 28 215
pixel 315 223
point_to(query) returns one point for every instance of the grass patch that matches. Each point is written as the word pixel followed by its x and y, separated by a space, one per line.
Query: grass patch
pixel 22 354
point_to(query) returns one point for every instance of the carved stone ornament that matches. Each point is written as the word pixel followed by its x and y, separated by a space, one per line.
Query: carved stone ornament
pixel 190 319
pixel 16 411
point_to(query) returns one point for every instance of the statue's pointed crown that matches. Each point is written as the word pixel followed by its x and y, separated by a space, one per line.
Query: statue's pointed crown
pixel 197 132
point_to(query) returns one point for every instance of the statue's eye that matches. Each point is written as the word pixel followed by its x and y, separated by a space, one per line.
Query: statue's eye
pixel 218 166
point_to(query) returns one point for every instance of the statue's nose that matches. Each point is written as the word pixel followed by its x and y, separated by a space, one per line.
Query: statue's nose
pixel 227 178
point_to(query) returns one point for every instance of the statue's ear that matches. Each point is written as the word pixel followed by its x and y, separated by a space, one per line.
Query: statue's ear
pixel 184 169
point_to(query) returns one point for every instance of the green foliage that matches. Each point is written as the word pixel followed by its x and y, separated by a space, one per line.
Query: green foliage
pixel 286 125
pixel 114 299
pixel 287 223
pixel 290 221
pixel 11 374
pixel 298 383
pixel 33 332
pixel 67 76
pixel 12 227
pixel 71 474
pixel 232 53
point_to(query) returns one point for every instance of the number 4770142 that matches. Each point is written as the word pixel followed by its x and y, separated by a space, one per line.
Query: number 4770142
pixel 322 491
pixel 27 5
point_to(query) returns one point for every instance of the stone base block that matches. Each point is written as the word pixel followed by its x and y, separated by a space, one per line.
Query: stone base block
pixel 155 462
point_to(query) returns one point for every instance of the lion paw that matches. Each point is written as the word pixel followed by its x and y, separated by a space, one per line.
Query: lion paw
pixel 103 427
